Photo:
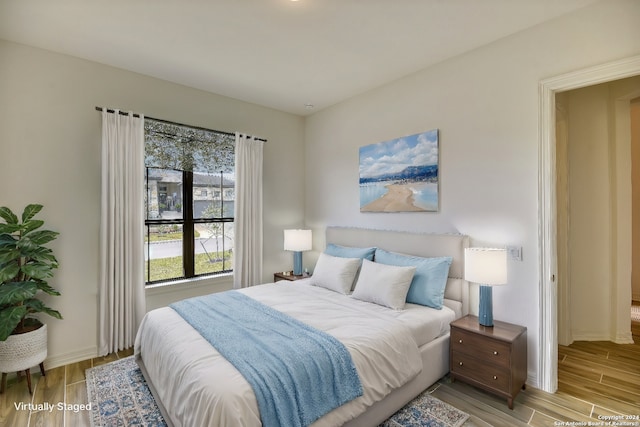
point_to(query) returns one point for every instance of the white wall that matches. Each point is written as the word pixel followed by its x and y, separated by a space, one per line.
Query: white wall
pixel 50 154
pixel 485 104
pixel 599 166
pixel 590 212
pixel 635 156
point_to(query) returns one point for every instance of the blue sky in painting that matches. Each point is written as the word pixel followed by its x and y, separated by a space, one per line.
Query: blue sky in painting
pixel 398 154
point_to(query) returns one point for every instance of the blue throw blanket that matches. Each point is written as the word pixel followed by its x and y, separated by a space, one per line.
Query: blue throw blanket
pixel 297 372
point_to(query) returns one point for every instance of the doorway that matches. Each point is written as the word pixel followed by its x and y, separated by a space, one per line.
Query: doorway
pixel 548 362
pixel 594 211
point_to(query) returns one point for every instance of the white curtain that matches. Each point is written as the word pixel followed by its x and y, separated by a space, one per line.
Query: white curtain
pixel 121 286
pixel 247 255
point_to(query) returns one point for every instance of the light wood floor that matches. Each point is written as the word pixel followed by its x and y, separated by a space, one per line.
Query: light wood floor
pixel 65 384
pixel 595 378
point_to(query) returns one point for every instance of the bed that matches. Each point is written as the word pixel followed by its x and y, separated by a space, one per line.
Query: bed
pixel 397 355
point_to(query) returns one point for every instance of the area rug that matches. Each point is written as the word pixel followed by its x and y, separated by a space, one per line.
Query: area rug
pixel 427 411
pixel 119 396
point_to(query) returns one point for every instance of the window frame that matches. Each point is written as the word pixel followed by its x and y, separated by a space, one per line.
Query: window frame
pixel 188 223
pixel 182 161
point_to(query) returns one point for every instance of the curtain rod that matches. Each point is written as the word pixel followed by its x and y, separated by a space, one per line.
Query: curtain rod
pixel 125 113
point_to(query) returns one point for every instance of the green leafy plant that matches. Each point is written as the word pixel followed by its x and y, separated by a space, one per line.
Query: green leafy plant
pixel 25 266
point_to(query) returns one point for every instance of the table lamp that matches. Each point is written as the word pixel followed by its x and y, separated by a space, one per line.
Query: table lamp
pixel 486 267
pixel 297 241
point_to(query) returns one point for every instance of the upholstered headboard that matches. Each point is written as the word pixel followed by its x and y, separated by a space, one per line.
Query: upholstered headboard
pixel 418 244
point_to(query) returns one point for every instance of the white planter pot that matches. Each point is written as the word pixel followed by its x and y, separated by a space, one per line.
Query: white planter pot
pixel 23 351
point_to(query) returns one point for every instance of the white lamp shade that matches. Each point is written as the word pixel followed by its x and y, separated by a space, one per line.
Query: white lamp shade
pixel 297 240
pixel 486 266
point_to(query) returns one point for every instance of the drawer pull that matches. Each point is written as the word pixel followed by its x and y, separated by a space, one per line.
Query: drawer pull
pixel 460 341
pixel 495 377
pixel 460 363
pixel 495 353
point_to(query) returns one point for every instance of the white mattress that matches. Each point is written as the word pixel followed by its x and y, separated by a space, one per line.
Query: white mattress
pixel 425 323
pixel 197 386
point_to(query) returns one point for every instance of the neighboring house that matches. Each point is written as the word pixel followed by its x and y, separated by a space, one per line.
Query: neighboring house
pixel 164 194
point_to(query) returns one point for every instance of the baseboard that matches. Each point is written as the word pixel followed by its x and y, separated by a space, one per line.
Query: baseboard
pixel 624 338
pixel 621 338
pixel 532 381
pixel 590 336
pixel 71 357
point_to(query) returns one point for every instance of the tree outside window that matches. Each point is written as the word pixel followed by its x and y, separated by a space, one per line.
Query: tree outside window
pixel 189 201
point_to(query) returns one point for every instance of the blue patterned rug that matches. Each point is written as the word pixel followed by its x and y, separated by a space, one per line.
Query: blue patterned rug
pixel 427 411
pixel 119 396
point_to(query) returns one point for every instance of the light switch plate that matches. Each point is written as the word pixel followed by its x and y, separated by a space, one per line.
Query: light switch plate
pixel 515 253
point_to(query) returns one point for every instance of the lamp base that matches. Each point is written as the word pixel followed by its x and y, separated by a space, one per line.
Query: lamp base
pixel 297 263
pixel 485 313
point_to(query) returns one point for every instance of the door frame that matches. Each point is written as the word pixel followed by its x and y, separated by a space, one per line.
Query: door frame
pixel 547 221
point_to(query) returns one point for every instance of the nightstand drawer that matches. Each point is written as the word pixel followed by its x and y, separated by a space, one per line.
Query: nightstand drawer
pixel 474 369
pixel 489 350
pixel 493 358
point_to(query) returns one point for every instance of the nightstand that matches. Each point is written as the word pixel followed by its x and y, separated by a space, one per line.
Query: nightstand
pixel 492 358
pixel 290 277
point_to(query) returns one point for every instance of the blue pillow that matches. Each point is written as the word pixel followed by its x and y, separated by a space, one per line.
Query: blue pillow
pixel 348 252
pixel 429 280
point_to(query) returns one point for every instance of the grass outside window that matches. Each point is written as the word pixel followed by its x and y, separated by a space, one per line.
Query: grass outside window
pixel 164 268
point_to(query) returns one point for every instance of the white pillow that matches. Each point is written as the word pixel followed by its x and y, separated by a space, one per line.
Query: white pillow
pixel 384 284
pixel 335 273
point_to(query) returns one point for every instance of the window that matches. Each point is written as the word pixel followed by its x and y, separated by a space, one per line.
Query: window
pixel 189 201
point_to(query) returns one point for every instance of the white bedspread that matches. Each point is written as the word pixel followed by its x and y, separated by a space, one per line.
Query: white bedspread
pixel 198 387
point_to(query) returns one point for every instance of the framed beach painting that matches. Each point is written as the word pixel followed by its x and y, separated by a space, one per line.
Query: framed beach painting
pixel 400 175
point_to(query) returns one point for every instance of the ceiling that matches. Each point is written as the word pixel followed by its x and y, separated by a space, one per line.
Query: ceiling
pixel 281 54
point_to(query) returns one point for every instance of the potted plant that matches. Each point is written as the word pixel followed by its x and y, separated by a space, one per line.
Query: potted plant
pixel 25 266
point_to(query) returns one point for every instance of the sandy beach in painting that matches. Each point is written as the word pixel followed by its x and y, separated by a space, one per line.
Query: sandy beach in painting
pixel 398 198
